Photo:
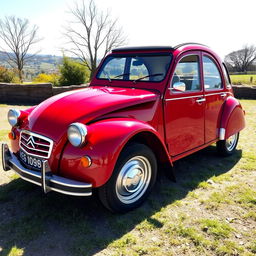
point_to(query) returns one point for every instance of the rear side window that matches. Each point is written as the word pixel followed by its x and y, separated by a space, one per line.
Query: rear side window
pixel 226 76
pixel 212 77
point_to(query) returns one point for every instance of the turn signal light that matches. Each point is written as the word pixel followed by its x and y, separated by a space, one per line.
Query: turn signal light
pixel 86 161
pixel 11 136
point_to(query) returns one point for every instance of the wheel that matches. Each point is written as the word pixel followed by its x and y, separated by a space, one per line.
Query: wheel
pixel 132 179
pixel 228 146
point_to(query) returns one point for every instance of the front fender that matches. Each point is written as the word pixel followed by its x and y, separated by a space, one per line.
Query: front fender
pixel 105 141
pixel 232 120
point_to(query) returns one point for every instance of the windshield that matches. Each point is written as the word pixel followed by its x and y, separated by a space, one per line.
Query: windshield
pixel 137 67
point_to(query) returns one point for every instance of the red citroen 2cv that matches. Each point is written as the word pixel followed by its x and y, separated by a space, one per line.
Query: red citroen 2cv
pixel 145 106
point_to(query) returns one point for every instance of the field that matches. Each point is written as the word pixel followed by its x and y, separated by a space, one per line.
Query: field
pixel 210 210
pixel 243 79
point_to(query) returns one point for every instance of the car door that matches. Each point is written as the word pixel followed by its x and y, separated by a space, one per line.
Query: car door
pixel 184 105
pixel 215 96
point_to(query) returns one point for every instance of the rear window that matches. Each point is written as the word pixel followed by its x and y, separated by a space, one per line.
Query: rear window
pixel 212 77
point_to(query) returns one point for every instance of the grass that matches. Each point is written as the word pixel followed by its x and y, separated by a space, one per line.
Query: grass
pixel 210 210
pixel 216 228
pixel 243 79
pixel 16 251
pixel 252 247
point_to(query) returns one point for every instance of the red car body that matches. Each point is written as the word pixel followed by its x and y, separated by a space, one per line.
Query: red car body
pixel 115 111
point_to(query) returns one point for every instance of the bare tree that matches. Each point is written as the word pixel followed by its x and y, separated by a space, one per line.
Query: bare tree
pixel 17 37
pixel 242 59
pixel 92 33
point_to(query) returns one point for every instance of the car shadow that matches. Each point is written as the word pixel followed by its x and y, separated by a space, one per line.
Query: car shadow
pixel 62 225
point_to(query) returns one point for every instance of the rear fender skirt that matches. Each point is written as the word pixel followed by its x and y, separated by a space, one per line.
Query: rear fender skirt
pixel 232 120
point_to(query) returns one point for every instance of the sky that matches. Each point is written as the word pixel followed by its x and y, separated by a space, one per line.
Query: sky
pixel 223 25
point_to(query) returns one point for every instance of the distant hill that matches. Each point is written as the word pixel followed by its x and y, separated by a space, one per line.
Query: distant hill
pixel 40 63
pixel 36 60
pixel 37 64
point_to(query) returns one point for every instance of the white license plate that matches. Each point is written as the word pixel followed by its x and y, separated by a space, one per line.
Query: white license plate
pixel 31 161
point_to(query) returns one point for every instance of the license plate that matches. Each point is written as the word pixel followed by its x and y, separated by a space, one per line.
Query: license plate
pixel 31 161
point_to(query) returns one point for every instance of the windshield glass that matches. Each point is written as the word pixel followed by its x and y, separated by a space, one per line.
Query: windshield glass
pixel 139 67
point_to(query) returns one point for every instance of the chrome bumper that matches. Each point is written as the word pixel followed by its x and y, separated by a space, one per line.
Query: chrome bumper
pixel 46 179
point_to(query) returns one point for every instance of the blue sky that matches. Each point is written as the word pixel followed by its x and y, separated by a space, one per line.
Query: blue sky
pixel 224 25
pixel 29 8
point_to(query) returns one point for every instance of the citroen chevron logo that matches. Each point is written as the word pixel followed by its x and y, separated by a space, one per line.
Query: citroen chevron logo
pixel 31 142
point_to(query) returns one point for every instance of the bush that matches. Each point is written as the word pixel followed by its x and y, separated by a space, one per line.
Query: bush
pixel 72 73
pixel 7 75
pixel 47 78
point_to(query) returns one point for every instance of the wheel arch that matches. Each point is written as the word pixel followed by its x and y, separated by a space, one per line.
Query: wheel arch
pixel 153 142
pixel 232 119
pixel 106 141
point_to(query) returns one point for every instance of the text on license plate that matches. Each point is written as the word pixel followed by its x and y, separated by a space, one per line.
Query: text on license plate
pixel 30 160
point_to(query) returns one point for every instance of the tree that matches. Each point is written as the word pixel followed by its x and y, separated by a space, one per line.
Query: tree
pixel 242 59
pixel 6 75
pixel 17 37
pixel 72 73
pixel 92 34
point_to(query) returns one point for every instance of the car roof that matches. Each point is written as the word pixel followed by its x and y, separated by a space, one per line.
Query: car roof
pixel 142 48
pixel 153 48
pixel 178 49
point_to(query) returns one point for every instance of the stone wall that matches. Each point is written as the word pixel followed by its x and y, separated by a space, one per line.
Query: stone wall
pixel 244 92
pixel 29 94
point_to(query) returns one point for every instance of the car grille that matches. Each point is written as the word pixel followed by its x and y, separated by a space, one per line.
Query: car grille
pixel 35 144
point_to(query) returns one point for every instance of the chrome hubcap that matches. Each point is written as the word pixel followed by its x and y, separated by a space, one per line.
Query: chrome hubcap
pixel 231 142
pixel 133 179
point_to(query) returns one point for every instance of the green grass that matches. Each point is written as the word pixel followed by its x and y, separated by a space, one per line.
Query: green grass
pixel 243 79
pixel 16 251
pixel 192 234
pixel 212 203
pixel 229 248
pixel 250 214
pixel 4 135
pixel 216 228
pixel 252 246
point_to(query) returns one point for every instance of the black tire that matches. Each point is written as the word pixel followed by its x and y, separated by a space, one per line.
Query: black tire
pixel 228 146
pixel 122 193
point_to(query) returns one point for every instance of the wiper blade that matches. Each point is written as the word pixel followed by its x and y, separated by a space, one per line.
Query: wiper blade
pixel 107 75
pixel 124 74
pixel 157 74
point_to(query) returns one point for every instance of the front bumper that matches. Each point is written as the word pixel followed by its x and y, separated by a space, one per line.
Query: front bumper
pixel 46 179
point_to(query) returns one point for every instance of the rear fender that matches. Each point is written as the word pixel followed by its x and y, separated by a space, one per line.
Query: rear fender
pixel 105 141
pixel 232 120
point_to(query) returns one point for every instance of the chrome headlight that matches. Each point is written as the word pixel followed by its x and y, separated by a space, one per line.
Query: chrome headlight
pixel 76 134
pixel 13 115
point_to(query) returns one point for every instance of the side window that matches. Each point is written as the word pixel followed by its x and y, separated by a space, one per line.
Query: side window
pixel 212 78
pixel 186 75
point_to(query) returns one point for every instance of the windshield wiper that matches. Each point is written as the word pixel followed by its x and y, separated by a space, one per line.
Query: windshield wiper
pixel 124 74
pixel 157 74
pixel 107 75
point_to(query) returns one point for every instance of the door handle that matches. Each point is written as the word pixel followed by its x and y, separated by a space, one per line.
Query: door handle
pixel 200 100
pixel 223 95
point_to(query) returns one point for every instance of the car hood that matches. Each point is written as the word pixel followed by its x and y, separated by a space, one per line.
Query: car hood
pixel 52 117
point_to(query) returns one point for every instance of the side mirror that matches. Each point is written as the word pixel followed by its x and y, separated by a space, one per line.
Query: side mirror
pixel 178 87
